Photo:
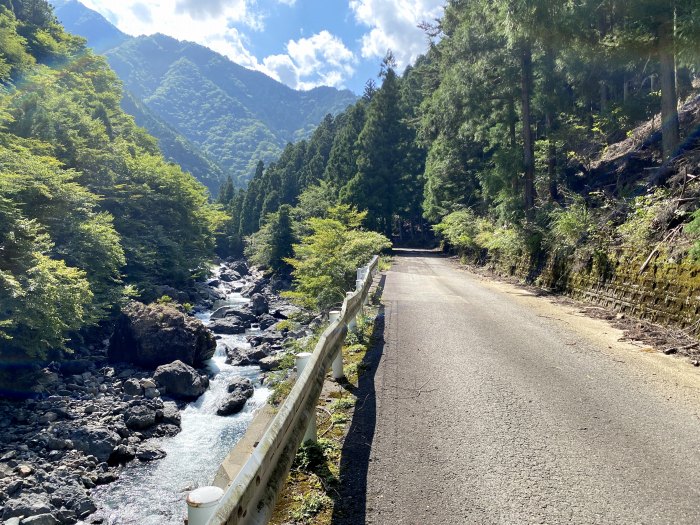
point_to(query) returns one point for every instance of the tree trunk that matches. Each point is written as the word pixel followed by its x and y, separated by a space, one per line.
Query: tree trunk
pixel 669 97
pixel 550 122
pixel 528 143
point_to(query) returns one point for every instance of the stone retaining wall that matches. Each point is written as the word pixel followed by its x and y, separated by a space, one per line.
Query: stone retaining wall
pixel 664 293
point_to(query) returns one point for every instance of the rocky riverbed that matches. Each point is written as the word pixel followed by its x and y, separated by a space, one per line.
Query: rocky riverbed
pixel 98 419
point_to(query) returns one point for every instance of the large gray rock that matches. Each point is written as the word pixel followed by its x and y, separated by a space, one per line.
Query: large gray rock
pixel 95 441
pixel 241 385
pixel 240 390
pixel 233 404
pixel 139 417
pixel 237 312
pixel 152 335
pixel 229 325
pixel 247 356
pixel 26 505
pixel 259 304
pixel 240 267
pixel 132 387
pixel 180 380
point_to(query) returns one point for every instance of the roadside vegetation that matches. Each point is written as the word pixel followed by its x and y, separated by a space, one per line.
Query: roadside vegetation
pixel 311 489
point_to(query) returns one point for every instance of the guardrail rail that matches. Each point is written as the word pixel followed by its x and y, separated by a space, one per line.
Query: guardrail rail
pixel 251 496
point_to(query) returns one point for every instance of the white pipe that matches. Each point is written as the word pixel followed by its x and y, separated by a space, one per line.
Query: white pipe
pixel 333 316
pixel 201 504
pixel 338 372
pixel 301 359
pixel 311 434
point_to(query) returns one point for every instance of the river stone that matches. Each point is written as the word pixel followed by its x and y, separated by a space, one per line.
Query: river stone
pixel 171 414
pixel 259 304
pixel 150 452
pixel 240 390
pixel 41 519
pixel 132 387
pixel 26 505
pixel 241 385
pixel 246 356
pixel 232 405
pixel 122 454
pixel 95 441
pixel 270 363
pixel 229 325
pixel 151 393
pixel 253 288
pixel 156 334
pixel 139 417
pixel 180 380
pixel 240 267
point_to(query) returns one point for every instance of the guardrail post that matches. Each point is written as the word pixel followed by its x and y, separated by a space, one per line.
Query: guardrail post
pixel 201 504
pixel 352 323
pixel 302 359
pixel 337 367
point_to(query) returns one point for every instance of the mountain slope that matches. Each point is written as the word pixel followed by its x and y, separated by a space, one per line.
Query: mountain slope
pixel 231 116
pixel 99 32
pixel 237 116
pixel 174 146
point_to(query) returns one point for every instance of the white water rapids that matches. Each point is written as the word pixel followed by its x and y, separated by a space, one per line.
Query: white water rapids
pixel 154 493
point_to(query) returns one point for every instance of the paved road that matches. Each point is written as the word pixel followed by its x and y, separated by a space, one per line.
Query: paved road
pixel 488 405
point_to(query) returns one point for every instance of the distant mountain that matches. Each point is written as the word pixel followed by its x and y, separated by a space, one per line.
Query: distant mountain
pixel 99 32
pixel 227 117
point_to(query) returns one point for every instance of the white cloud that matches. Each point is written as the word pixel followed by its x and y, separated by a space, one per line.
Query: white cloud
pixel 207 22
pixel 320 60
pixel 394 25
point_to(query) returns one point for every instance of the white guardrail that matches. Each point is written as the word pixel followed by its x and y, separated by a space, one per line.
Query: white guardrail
pixel 251 496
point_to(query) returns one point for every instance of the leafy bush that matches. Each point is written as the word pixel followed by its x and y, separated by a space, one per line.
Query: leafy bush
pixel 325 262
pixel 570 226
pixel 460 229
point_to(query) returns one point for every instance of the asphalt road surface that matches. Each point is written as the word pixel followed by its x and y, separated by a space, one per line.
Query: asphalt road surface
pixel 486 404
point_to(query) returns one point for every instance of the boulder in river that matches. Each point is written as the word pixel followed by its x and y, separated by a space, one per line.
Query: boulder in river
pixel 180 380
pixel 259 304
pixel 240 390
pixel 247 356
pixel 240 267
pixel 229 325
pixel 154 334
pixel 236 312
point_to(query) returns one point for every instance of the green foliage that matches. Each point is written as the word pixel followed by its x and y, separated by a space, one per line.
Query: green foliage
pixel 310 505
pixel 90 212
pixel 641 224
pixel 272 244
pixel 460 229
pixel 571 226
pixel 693 228
pixel 325 262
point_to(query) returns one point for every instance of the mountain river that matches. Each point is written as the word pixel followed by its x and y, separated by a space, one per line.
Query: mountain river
pixel 154 493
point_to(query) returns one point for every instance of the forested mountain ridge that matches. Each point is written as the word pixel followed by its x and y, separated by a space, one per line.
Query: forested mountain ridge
pixel 90 211
pixel 99 32
pixel 234 115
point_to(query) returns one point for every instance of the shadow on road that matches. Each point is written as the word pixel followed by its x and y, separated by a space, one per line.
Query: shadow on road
pixel 417 252
pixel 352 491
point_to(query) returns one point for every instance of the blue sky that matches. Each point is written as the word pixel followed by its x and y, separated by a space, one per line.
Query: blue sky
pixel 303 43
